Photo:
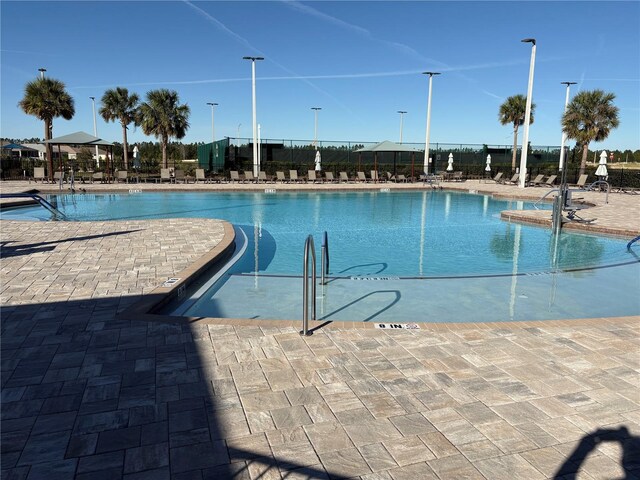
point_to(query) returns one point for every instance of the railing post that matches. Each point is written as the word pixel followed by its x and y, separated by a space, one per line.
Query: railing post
pixel 308 246
pixel 325 259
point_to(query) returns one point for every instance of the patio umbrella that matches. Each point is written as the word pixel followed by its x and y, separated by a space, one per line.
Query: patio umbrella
pixel 318 161
pixel 602 168
pixel 136 157
pixel 488 167
pixel 450 166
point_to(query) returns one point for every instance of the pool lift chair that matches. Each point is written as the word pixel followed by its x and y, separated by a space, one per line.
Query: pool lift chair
pixel 572 207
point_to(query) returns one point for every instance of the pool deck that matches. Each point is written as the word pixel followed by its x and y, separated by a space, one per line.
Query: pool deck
pixel 90 390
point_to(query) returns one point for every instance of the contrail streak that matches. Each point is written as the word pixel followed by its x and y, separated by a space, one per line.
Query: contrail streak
pixel 246 43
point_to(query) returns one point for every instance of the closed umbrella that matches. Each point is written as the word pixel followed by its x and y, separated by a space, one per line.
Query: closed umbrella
pixel 450 166
pixel 318 161
pixel 488 167
pixel 602 167
pixel 136 157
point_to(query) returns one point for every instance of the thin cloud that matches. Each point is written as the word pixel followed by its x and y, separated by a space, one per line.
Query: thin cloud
pixel 328 18
pixel 294 76
pixel 406 49
pixel 223 27
pixel 493 95
pixel 306 9
pixel 248 44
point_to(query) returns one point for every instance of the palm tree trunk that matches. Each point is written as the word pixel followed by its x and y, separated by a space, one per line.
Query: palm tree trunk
pixel 124 144
pixel 583 163
pixel 165 163
pixel 515 147
pixel 48 149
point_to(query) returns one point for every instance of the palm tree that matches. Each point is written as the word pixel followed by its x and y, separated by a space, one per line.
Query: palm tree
pixel 119 105
pixel 162 116
pixel 590 116
pixel 46 98
pixel 512 111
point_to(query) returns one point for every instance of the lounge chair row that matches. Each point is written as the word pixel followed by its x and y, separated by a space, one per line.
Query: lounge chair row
pixel 539 181
pixel 312 176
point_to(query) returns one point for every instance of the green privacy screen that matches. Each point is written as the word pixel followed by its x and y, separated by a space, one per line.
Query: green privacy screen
pixel 211 155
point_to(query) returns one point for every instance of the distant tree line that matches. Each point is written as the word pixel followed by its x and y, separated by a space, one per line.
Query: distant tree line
pixel 589 117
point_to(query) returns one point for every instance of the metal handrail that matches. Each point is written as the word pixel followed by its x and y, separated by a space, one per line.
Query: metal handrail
pixel 38 199
pixel 308 247
pixel 535 205
pixel 325 258
pixel 634 240
pixel 601 182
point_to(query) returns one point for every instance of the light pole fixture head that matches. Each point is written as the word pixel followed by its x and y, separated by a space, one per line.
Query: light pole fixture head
pixel 212 104
pixel 568 83
pixel 529 40
pixel 253 58
pixel 316 108
pixel 401 111
pixel 431 74
pixel 92 98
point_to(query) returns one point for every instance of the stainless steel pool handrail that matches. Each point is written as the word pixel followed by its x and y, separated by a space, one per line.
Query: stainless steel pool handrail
pixel 535 205
pixel 599 184
pixel 325 258
pixel 37 198
pixel 308 248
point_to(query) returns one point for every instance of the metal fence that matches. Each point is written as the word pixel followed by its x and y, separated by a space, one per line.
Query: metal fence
pixel 284 155
pixel 342 156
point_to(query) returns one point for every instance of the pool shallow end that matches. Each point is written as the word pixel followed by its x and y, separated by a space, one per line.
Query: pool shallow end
pixel 161 296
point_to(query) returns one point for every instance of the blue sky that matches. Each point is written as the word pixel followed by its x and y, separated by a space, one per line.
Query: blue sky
pixel 360 62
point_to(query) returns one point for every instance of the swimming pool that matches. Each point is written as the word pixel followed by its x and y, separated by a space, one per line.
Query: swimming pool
pixel 395 256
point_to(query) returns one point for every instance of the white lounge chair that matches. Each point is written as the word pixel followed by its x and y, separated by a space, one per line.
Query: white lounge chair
pixel 38 174
pixel 165 175
pixel 311 176
pixel 248 176
pixel 293 176
pixel 200 177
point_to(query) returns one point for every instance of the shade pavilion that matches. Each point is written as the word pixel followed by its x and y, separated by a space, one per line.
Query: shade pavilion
pixel 85 140
pixel 388 146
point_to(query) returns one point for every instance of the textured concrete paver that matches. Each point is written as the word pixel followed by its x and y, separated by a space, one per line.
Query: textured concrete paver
pixel 86 393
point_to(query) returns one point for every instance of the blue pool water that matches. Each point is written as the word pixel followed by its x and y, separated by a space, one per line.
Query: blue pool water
pixel 410 256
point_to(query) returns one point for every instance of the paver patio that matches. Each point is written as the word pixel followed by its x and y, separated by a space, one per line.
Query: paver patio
pixel 88 394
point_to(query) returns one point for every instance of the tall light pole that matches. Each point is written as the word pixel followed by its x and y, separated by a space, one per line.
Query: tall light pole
pixel 315 129
pixel 426 143
pixel 95 129
pixel 527 115
pixel 564 134
pixel 213 132
pixel 256 167
pixel 401 112
pixel 42 70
